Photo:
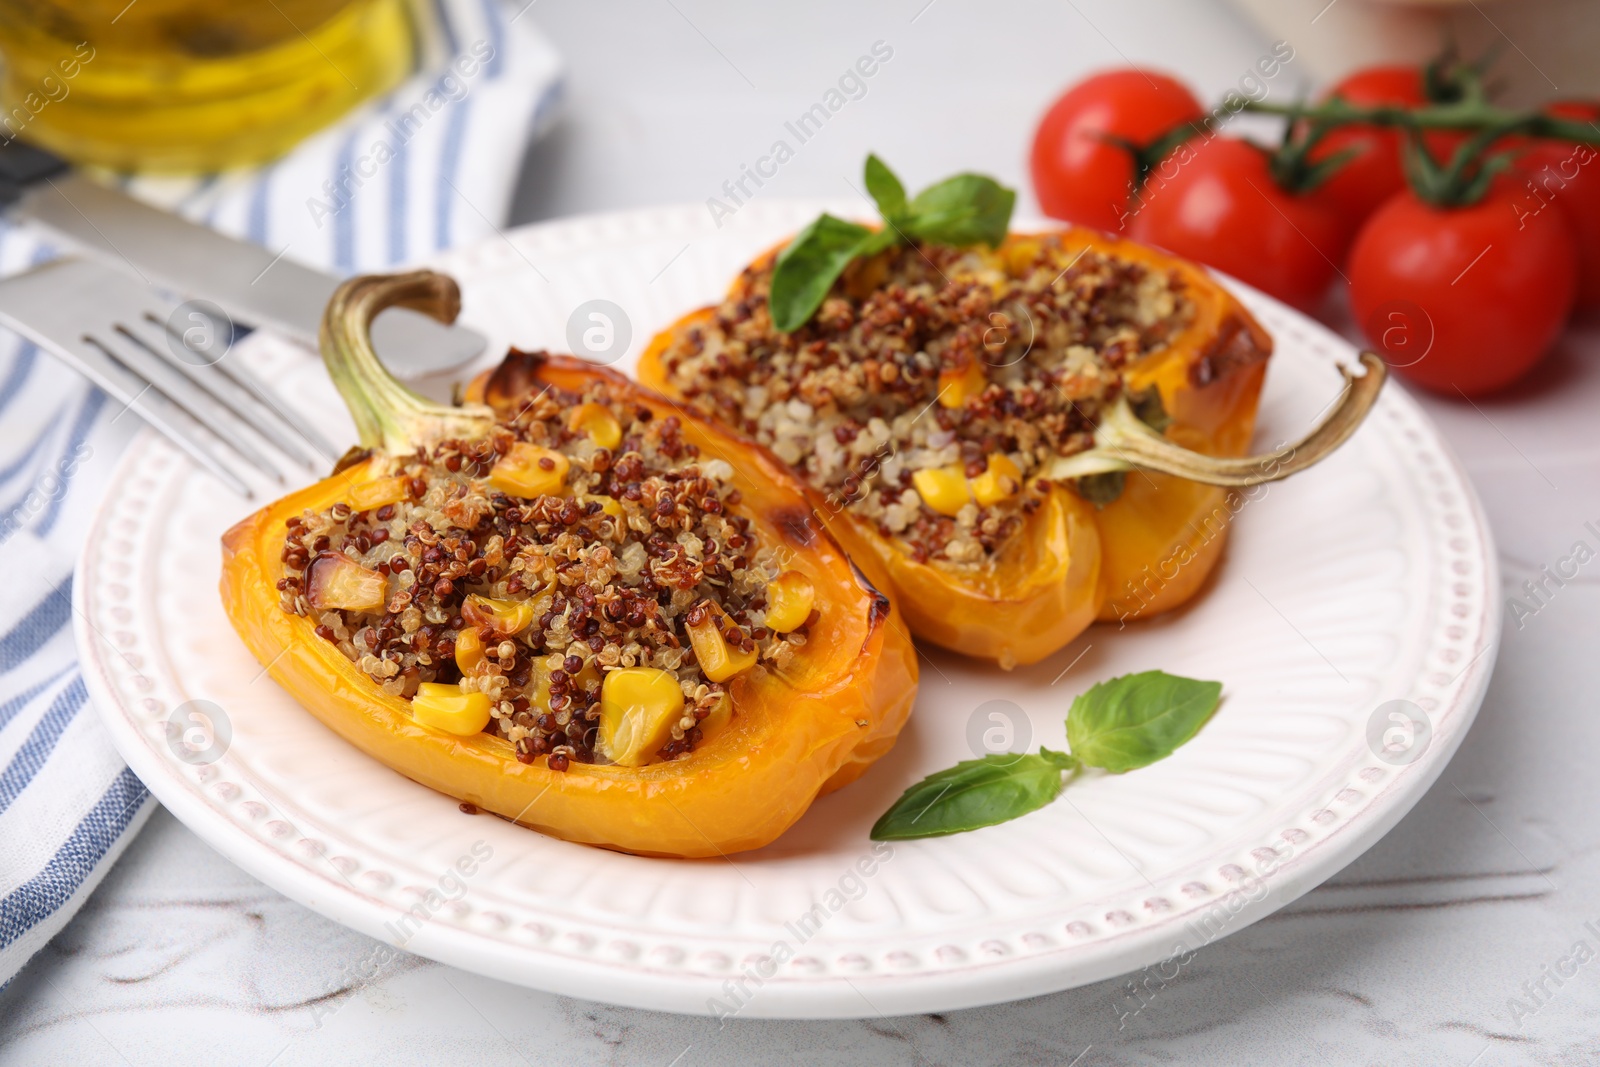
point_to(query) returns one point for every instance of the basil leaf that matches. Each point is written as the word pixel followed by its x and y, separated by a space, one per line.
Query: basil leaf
pixel 975 793
pixel 1136 719
pixel 885 188
pixel 965 210
pixel 808 267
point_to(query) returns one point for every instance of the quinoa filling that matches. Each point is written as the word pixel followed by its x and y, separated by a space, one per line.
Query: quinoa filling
pixel 933 382
pixel 583 537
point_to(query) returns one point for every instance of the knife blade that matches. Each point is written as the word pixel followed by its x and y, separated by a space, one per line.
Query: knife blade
pixel 250 283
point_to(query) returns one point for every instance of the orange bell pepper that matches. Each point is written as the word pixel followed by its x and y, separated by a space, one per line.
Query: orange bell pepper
pixel 1149 550
pixel 793 733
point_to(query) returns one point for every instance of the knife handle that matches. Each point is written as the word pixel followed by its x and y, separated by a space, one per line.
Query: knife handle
pixel 195 261
pixel 22 165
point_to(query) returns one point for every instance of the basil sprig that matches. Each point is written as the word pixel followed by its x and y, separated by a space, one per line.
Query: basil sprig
pixel 1118 725
pixel 967 209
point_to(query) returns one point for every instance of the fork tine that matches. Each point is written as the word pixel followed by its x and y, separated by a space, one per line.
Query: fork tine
pixel 114 330
pixel 298 422
pixel 142 399
pixel 137 357
pixel 246 378
pixel 221 388
pixel 20 307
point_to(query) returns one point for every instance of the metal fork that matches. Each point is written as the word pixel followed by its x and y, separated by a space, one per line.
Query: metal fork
pixel 167 361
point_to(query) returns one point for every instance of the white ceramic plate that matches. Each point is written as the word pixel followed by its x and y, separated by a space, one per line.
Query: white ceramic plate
pixel 1369 579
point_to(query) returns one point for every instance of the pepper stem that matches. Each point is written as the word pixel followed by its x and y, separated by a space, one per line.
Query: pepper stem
pixel 1122 442
pixel 389 417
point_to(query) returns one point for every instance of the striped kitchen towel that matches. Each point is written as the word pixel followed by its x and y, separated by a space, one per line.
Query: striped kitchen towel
pixel 429 166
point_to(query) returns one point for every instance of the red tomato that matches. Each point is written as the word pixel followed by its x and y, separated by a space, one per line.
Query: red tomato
pixel 1462 298
pixel 1077 174
pixel 1362 184
pixel 1216 201
pixel 1566 175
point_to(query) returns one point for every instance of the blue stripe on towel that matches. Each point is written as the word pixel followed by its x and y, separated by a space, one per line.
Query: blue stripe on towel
pixel 497 37
pixel 9 709
pixel 40 896
pixel 399 183
pixel 35 628
pixel 450 158
pixel 17 375
pixel 256 220
pixel 344 220
pixel 41 742
pixel 87 414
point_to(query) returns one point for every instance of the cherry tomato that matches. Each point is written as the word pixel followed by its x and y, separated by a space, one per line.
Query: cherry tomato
pixel 1364 182
pixel 1566 176
pixel 1464 298
pixel 1077 174
pixel 1216 201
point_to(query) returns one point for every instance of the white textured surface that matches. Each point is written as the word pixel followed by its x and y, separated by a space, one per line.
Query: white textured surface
pixel 1409 955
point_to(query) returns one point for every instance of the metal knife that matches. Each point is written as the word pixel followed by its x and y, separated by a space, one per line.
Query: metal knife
pixel 251 284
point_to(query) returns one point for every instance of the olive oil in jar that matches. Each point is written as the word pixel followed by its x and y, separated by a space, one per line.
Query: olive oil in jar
pixel 191 85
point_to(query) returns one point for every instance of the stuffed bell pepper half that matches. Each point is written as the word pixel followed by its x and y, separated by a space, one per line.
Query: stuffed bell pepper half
pixel 569 603
pixel 1022 432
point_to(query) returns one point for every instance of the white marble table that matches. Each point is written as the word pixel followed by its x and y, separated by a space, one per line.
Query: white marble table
pixel 1413 954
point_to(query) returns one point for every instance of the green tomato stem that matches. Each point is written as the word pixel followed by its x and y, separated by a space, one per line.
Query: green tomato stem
pixel 1469 114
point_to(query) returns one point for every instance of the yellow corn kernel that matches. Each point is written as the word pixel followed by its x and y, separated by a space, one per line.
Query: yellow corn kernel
pixel 469 649
pixel 944 489
pixel 720 716
pixel 530 471
pixel 719 660
pixel 335 581
pixel 378 492
pixel 597 421
pixel 447 708
pixel 958 385
pixel 1018 256
pixel 789 599
pixel 638 706
pixel 608 504
pixel 505 617
pixel 1000 481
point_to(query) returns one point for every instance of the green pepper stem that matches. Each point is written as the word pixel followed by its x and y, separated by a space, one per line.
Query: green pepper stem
pixel 389 417
pixel 1122 442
